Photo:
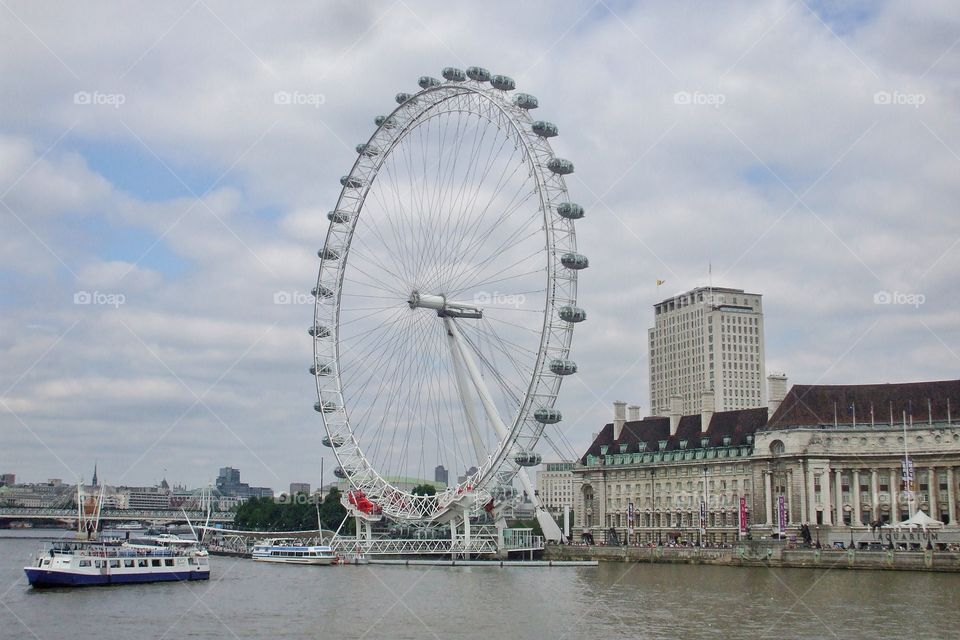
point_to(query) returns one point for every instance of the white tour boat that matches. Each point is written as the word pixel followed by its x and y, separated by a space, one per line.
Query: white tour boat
pixel 292 551
pixel 78 564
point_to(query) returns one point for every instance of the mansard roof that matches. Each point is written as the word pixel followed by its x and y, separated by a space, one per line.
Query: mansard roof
pixel 737 424
pixel 812 405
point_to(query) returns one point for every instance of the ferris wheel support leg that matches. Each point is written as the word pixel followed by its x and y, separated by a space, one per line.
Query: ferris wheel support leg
pixel 466 533
pixel 465 399
pixel 551 531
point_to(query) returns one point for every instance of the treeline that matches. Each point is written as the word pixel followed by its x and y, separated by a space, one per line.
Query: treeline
pixel 294 513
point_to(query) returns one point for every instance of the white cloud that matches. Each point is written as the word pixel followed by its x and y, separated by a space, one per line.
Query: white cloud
pixel 682 186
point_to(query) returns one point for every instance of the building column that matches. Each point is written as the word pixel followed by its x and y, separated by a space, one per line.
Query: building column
pixel 933 507
pixel 790 506
pixel 951 497
pixel 838 478
pixel 856 497
pixel 811 496
pixel 803 495
pixel 875 494
pixel 827 498
pixel 895 495
pixel 768 497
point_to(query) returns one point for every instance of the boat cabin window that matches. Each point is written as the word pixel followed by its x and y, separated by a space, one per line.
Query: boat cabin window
pixel 128 563
pixel 156 562
pixel 142 563
pixel 168 562
pixel 114 564
pixel 84 563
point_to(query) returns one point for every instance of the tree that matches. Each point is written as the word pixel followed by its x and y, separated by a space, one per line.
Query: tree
pixel 332 512
pixel 424 490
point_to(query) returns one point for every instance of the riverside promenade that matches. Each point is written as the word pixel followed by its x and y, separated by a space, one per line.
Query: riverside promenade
pixel 764 554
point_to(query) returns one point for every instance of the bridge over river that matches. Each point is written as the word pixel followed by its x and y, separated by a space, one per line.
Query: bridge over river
pixel 152 516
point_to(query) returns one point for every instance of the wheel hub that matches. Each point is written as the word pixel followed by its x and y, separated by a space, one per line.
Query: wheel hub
pixel 444 308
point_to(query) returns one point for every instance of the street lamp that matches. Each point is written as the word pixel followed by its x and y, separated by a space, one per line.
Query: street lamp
pixel 818 537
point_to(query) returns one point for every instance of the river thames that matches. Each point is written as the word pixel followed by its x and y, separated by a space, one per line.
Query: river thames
pixel 245 599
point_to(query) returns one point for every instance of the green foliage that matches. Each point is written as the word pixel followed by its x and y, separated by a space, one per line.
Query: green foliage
pixel 529 524
pixel 424 490
pixel 291 513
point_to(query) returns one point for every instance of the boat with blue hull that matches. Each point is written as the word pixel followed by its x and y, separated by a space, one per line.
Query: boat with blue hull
pixel 77 564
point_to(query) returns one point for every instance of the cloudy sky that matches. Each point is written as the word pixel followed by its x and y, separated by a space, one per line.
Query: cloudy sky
pixel 809 150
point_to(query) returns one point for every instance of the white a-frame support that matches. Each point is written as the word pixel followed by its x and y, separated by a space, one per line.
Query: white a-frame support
pixel 551 531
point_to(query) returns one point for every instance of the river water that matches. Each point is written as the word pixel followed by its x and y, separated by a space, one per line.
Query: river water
pixel 245 599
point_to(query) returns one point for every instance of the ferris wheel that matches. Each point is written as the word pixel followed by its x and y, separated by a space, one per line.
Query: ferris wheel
pixel 446 300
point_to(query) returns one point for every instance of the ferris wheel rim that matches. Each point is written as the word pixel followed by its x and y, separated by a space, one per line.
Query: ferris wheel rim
pixel 411 506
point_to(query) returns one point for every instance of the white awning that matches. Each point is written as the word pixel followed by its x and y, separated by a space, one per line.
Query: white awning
pixel 919 519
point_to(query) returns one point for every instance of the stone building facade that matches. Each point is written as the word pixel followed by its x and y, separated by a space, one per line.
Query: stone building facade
pixel 832 455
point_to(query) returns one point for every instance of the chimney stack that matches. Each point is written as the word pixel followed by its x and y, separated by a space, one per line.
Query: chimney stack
pixel 708 406
pixel 776 392
pixel 633 413
pixel 676 410
pixel 619 417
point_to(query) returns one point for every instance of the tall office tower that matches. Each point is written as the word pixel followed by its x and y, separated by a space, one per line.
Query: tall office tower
pixel 707 339
pixel 440 474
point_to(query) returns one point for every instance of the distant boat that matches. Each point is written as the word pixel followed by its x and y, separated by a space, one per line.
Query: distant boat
pixel 292 551
pixel 129 526
pixel 21 525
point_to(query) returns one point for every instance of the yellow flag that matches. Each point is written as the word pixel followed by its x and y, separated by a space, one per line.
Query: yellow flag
pixel 660 282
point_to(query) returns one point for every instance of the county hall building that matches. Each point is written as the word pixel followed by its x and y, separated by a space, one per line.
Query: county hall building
pixel 828 456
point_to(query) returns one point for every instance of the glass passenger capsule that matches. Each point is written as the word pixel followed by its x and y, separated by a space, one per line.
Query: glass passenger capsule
pixel 570 210
pixel 502 492
pixel 504 83
pixel 325 407
pixel 336 441
pixel 574 261
pixel 384 121
pixel 525 101
pixel 453 74
pixel 339 217
pixel 478 74
pixel 572 314
pixel 368 150
pixel 547 415
pixel 322 292
pixel 353 182
pixel 319 331
pixel 426 82
pixel 545 129
pixel 403 97
pixel 328 254
pixel 340 473
pixel 563 367
pixel 527 458
pixel 560 166
pixel 321 370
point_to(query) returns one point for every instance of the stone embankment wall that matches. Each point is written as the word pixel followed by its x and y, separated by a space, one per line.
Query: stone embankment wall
pixel 760 554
